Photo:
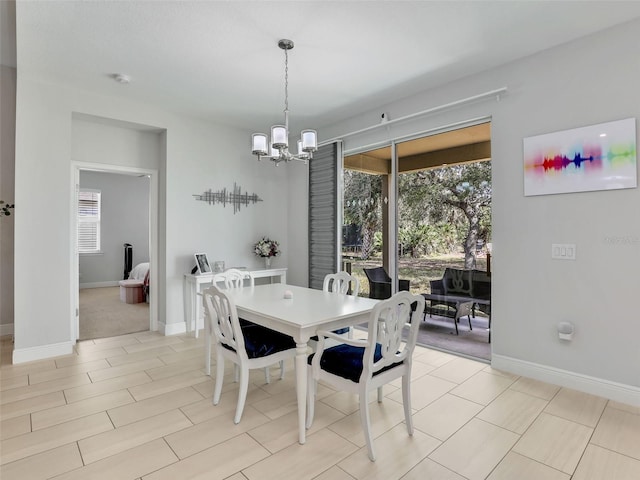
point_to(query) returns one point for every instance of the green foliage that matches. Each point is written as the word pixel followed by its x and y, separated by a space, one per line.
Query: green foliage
pixel 377 242
pixel 440 211
pixel 454 203
pixel 362 205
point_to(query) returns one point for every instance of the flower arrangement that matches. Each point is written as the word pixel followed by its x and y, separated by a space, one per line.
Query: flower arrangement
pixel 266 248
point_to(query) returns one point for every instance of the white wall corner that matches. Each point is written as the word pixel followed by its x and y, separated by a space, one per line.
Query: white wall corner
pixel 31 354
pixel 6 329
pixel 628 394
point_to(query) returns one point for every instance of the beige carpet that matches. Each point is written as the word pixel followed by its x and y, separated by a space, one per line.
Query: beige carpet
pixel 102 314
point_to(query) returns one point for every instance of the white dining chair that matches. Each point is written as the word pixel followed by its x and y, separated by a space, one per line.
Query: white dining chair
pixel 341 282
pixel 248 347
pixel 231 278
pixel 345 284
pixel 359 366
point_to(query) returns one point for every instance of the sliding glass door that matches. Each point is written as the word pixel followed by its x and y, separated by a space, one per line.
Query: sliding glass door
pixel 415 200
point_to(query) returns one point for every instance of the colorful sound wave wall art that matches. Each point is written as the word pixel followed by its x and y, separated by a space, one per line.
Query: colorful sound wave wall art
pixel 597 157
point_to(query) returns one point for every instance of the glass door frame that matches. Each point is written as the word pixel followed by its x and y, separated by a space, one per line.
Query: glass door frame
pixel 390 233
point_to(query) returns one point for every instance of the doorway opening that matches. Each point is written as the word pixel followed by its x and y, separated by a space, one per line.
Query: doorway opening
pixel 129 201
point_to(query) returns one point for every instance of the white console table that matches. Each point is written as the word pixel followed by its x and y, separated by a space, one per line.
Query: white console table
pixel 193 285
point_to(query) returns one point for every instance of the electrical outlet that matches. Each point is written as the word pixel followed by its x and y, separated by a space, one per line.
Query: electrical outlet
pixel 563 251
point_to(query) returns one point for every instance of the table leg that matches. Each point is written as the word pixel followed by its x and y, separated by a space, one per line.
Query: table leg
pixel 187 299
pixel 301 389
pixel 198 309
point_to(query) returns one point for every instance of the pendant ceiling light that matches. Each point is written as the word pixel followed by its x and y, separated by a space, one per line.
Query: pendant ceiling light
pixel 278 149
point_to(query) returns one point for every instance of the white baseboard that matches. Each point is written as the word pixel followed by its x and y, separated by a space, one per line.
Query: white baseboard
pixel 172 328
pixel 619 392
pixel 99 284
pixel 6 329
pixel 21 355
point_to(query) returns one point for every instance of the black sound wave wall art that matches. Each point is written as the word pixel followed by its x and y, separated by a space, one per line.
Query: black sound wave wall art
pixel 224 197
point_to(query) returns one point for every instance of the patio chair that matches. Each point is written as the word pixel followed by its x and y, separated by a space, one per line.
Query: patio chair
pixel 380 283
pixel 359 366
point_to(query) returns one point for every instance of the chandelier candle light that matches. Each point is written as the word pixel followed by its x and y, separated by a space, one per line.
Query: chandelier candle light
pixel 279 148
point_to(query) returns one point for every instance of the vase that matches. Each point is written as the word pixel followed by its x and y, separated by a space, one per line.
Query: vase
pixel 267 262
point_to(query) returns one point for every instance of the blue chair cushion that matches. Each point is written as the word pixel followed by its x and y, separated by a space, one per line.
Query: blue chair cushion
pixel 346 361
pixel 340 331
pixel 260 341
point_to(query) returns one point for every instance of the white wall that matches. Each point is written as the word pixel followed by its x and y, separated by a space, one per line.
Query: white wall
pixel 196 156
pixel 590 81
pixel 124 219
pixel 7 168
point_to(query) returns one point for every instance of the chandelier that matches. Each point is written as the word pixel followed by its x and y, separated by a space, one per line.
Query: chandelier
pixel 278 150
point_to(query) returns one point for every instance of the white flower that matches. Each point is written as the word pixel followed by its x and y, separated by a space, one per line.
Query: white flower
pixel 266 248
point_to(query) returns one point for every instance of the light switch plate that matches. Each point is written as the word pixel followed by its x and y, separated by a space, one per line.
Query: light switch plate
pixel 563 251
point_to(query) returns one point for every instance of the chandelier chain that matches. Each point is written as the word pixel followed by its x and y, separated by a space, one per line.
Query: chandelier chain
pixel 286 80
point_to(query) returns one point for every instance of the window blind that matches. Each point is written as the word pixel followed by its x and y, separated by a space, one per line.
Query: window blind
pixel 323 214
pixel 89 221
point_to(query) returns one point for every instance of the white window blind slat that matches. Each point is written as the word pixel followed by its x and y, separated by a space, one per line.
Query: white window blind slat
pixel 89 209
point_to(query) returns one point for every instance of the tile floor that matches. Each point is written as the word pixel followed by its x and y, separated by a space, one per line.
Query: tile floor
pixel 139 407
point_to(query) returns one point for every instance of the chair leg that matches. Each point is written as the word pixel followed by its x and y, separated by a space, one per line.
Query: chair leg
pixel 267 375
pixel 281 369
pixel 469 318
pixel 365 419
pixel 207 354
pixel 219 377
pixel 242 394
pixel 379 394
pixel 406 401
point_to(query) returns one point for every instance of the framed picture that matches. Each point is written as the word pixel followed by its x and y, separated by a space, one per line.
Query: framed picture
pixel 204 267
pixel 596 157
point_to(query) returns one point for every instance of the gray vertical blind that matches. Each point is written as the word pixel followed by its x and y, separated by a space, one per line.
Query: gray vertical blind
pixel 323 214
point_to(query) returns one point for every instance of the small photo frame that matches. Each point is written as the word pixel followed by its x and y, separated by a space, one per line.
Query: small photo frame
pixel 204 267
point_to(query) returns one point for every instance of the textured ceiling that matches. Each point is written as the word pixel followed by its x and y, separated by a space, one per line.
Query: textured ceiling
pixel 219 60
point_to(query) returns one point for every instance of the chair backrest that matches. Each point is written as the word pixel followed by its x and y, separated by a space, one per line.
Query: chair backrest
pixel 234 278
pixel 388 320
pixel 341 282
pixel 225 323
pixel 458 282
pixel 377 274
pixel 481 282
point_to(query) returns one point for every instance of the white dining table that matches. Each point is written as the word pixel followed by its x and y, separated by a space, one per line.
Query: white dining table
pixel 301 317
pixel 194 284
